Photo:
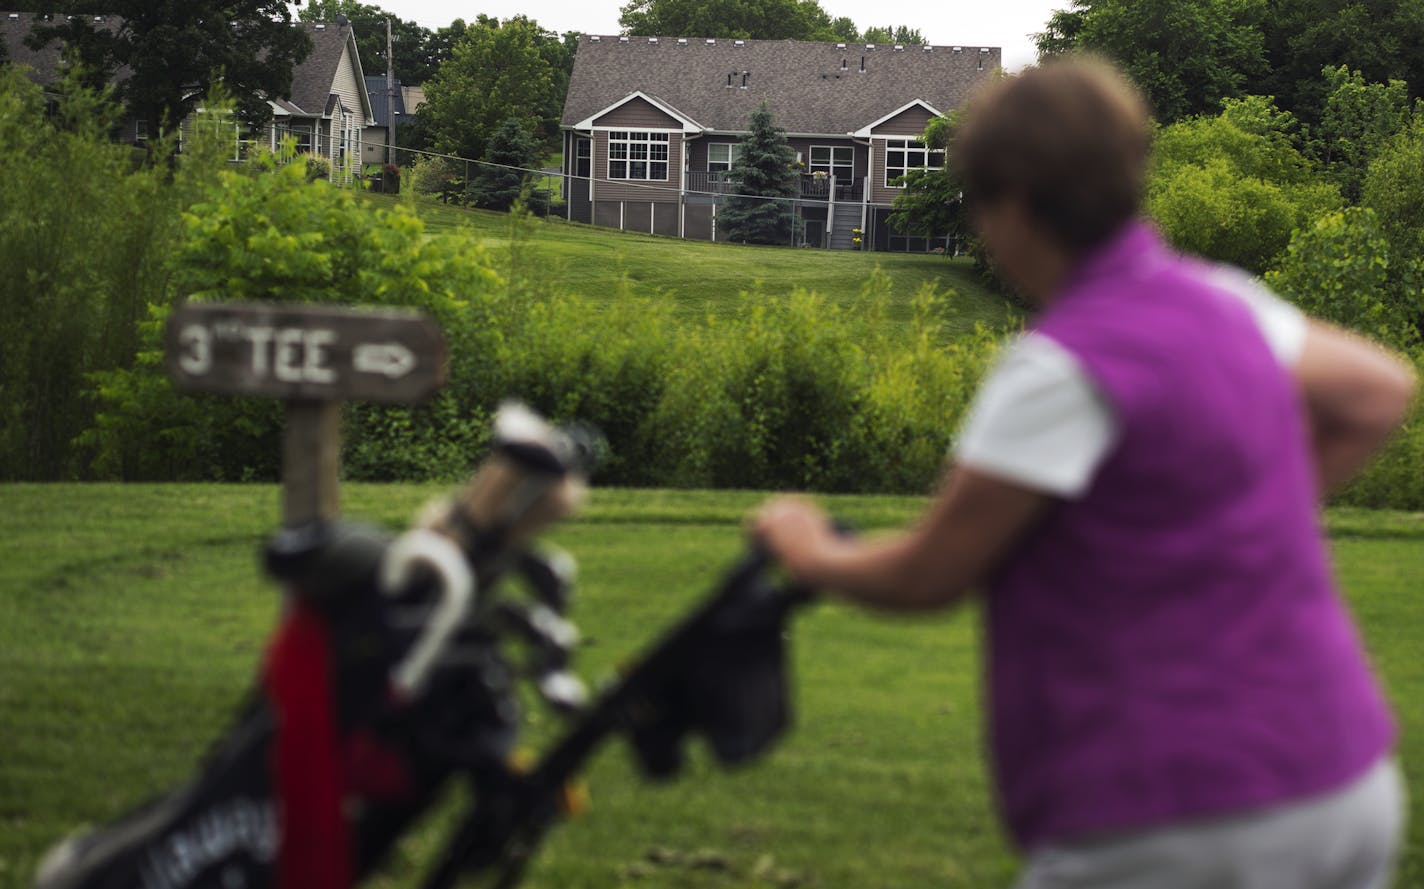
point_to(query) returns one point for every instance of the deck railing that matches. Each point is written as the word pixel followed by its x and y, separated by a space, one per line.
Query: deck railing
pixel 811 187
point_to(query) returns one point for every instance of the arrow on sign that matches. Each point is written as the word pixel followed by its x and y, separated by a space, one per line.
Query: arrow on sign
pixel 390 359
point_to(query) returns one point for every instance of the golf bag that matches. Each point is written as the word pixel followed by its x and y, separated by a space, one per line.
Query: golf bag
pixel 394 671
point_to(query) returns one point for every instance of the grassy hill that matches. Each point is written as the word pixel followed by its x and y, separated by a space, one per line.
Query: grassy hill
pixel 708 279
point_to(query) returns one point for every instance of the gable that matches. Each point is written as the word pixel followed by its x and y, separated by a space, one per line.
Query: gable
pixel 909 120
pixel 638 113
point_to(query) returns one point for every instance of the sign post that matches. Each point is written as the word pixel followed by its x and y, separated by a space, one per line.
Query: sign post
pixel 313 358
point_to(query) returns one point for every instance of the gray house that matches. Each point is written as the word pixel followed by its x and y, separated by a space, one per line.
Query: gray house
pixel 405 102
pixel 651 127
pixel 326 113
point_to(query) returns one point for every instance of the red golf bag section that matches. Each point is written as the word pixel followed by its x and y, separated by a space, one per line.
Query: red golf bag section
pixel 331 760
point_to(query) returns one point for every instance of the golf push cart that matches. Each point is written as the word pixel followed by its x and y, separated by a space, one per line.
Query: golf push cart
pixel 395 669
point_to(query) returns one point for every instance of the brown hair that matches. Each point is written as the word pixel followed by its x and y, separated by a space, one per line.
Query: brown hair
pixel 1070 138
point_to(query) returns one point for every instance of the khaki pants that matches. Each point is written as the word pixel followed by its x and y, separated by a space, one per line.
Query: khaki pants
pixel 1348 839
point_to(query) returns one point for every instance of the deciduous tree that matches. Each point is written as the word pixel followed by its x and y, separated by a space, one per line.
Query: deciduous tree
pixel 931 204
pixel 1185 55
pixel 1234 187
pixel 497 71
pixel 1358 120
pixel 174 51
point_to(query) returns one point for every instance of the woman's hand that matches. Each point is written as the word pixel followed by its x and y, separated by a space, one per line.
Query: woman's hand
pixel 795 531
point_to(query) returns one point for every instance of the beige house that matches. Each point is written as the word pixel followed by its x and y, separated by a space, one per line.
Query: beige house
pixel 652 125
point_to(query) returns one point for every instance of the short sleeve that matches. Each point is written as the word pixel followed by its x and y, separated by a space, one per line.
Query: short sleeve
pixel 1038 421
pixel 1282 325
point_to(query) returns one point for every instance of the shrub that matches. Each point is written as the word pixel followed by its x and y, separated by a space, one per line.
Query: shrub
pixel 437 177
pixel 316 167
pixel 84 234
pixel 1343 269
pixel 276 236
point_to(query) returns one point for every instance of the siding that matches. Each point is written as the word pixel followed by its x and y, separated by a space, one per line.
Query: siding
pixel 910 122
pixel 349 87
pixel 638 114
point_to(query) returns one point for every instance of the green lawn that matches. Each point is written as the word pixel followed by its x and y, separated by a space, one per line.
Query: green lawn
pixel 705 279
pixel 134 616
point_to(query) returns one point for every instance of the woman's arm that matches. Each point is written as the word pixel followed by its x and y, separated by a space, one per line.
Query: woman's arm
pixel 1356 393
pixel 970 526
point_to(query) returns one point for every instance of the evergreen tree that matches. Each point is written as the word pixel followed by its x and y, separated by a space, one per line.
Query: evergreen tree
pixel 512 150
pixel 760 211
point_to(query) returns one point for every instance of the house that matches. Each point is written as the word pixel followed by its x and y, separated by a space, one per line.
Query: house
pixel 407 100
pixel 651 127
pixel 326 113
pixel 329 109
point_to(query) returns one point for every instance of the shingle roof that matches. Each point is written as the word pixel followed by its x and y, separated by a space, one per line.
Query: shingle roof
pixel 811 88
pixel 376 89
pixel 312 79
pixel 44 62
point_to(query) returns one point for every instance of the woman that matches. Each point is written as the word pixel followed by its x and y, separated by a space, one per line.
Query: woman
pixel 1177 695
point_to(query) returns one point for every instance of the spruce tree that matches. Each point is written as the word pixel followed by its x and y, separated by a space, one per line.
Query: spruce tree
pixel 501 178
pixel 765 170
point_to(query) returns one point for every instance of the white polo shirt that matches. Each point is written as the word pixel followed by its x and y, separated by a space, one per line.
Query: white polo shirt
pixel 1039 421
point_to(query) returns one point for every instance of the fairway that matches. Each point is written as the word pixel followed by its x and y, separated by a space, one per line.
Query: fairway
pixel 703 279
pixel 134 617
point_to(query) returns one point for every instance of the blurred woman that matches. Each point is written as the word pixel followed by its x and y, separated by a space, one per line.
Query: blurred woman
pixel 1177 696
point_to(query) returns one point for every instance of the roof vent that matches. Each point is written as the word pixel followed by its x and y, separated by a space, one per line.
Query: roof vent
pixel 984 51
pixel 899 47
pixel 840 46
pixel 321 27
pixel 711 41
pixel 682 41
pixel 929 48
pixel 594 38
pixel 622 39
pixel 958 49
pixel 14 16
pixel 870 46
pixel 98 18
pixel 652 40
pixel 739 43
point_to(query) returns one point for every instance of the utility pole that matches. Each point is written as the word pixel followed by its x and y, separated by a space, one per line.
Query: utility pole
pixel 390 98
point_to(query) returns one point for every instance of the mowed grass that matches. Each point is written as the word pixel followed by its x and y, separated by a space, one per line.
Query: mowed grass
pixel 703 279
pixel 134 618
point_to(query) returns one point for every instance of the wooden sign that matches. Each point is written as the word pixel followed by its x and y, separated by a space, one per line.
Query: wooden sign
pixel 305 352
pixel 313 357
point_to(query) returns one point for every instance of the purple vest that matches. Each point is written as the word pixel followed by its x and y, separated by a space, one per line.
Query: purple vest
pixel 1171 645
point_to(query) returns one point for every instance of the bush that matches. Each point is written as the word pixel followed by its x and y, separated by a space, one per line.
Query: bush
pixel 317 167
pixel 1344 270
pixel 437 177
pixel 273 235
pixel 84 234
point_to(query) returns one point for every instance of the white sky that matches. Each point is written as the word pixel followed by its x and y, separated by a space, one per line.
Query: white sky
pixel 1003 23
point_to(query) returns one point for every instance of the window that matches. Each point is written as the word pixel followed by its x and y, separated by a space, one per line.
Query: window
pixel 583 158
pixel 303 136
pixel 834 160
pixel 721 156
pixel 637 155
pixel 904 155
pixel 141 131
